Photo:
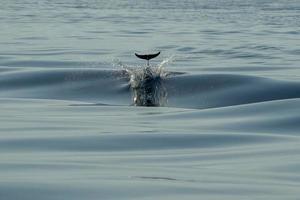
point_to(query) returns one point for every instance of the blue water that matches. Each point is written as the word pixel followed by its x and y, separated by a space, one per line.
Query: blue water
pixel 226 124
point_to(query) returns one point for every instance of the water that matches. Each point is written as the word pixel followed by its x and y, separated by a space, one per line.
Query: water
pixel 226 122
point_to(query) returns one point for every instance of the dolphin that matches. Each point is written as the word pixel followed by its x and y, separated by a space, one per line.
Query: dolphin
pixel 147 91
pixel 147 56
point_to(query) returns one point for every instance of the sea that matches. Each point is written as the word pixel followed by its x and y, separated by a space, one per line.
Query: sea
pixel 226 119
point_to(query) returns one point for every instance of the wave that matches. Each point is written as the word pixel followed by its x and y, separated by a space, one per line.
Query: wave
pixel 219 90
pixel 121 87
pixel 134 142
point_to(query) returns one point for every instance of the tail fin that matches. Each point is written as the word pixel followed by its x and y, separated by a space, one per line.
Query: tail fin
pixel 147 56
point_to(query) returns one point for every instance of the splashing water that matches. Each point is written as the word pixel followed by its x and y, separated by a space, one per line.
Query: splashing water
pixel 147 86
pixel 147 83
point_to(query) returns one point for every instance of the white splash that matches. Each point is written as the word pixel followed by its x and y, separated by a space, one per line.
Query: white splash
pixel 148 83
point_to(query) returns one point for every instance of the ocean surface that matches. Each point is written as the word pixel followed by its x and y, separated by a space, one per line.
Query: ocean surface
pixel 226 124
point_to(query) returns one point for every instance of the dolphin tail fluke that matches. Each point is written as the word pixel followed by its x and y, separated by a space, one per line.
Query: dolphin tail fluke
pixel 147 56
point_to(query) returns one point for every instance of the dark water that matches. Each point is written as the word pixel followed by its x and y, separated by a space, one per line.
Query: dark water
pixel 226 122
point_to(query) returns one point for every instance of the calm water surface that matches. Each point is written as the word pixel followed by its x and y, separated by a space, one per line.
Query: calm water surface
pixel 228 128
